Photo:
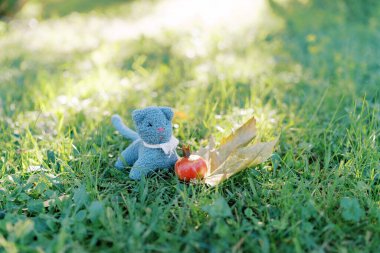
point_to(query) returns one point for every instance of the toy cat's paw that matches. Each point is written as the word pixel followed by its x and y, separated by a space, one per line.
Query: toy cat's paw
pixel 135 174
pixel 119 165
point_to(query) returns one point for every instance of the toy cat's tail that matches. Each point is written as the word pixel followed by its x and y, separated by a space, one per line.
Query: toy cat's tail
pixel 123 129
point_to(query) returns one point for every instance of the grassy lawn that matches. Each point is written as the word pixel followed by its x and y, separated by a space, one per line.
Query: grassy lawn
pixel 309 71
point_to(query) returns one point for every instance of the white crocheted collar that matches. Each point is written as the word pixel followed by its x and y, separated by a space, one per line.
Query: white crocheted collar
pixel 168 147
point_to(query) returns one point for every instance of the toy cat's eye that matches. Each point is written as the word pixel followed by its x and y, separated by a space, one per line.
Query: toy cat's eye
pixel 150 125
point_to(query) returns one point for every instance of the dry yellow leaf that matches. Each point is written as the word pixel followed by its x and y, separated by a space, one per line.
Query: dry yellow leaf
pixel 239 160
pixel 180 115
pixel 240 137
pixel 233 154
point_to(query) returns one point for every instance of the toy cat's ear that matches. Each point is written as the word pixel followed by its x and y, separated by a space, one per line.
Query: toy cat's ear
pixel 168 112
pixel 138 116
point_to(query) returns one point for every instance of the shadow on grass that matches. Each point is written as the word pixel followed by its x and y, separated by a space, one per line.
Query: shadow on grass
pixel 337 47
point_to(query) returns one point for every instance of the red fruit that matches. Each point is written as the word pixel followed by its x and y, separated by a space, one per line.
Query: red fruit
pixel 191 166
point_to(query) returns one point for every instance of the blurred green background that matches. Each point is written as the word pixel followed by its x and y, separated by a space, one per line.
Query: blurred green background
pixel 308 70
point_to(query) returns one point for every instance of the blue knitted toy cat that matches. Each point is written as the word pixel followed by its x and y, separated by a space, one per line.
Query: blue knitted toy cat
pixel 153 147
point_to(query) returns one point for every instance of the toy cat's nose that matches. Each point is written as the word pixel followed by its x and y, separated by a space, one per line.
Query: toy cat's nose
pixel 160 129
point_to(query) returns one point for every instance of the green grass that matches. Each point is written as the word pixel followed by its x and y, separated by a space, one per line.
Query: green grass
pixel 311 76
